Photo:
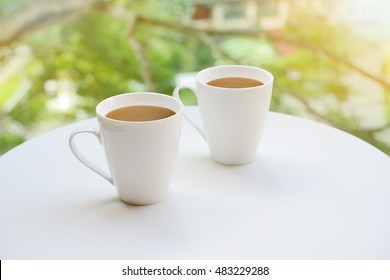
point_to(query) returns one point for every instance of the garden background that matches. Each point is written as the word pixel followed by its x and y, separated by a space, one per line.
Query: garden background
pixel 58 59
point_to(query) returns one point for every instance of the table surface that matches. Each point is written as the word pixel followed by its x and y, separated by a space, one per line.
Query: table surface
pixel 313 192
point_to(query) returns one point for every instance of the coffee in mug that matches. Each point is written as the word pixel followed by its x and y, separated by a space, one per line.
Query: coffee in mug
pixel 233 101
pixel 140 135
pixel 140 113
pixel 234 82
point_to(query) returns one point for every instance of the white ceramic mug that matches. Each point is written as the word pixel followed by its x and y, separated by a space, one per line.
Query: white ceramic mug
pixel 141 155
pixel 233 118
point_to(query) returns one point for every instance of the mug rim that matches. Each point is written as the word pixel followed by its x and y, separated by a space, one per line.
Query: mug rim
pixel 123 122
pixel 270 80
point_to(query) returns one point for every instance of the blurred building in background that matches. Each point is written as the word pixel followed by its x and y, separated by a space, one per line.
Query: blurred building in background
pixel 237 15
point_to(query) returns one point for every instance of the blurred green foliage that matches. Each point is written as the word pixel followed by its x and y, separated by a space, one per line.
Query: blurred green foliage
pixel 96 56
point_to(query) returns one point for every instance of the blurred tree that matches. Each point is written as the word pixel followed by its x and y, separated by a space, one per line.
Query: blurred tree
pixel 59 58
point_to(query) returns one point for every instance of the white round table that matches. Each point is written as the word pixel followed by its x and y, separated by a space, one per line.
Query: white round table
pixel 314 192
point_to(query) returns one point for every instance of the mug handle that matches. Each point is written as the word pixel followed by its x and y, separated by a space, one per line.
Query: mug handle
pixel 83 159
pixel 176 94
